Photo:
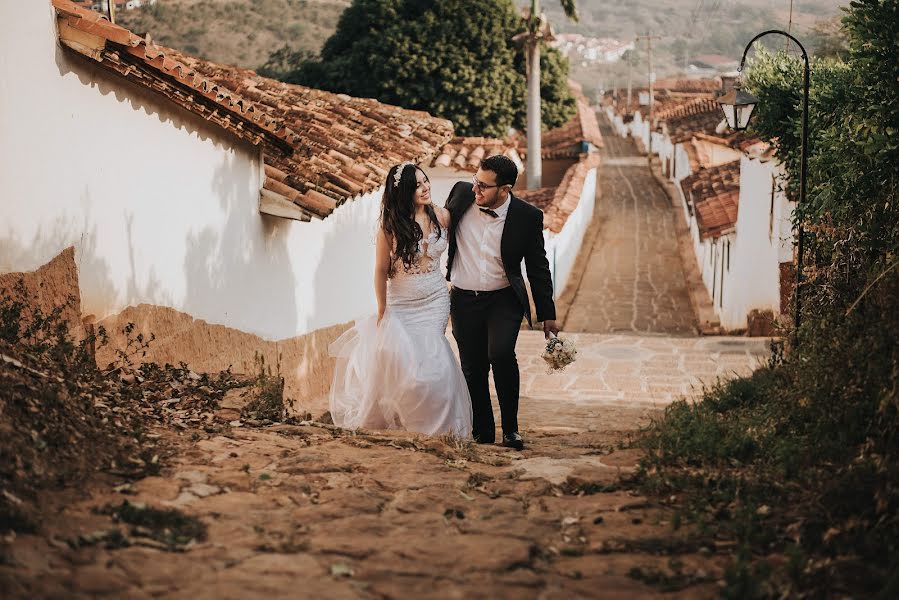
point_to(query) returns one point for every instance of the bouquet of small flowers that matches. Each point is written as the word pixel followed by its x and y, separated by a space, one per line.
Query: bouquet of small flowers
pixel 559 353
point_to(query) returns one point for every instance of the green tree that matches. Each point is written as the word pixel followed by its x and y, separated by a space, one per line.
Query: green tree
pixel 450 58
pixel 557 103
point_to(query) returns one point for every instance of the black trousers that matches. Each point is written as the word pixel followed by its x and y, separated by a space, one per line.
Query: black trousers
pixel 486 329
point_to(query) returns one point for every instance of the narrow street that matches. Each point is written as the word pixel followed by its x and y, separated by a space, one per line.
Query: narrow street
pixel 634 280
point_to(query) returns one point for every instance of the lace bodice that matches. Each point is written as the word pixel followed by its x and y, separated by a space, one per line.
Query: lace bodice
pixel 427 258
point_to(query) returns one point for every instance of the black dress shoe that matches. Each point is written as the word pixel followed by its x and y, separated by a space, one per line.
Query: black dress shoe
pixel 482 439
pixel 513 440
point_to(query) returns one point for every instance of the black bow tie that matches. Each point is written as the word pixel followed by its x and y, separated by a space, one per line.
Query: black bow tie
pixel 488 211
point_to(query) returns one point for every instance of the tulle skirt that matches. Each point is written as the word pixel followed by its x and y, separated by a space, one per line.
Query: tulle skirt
pixel 402 374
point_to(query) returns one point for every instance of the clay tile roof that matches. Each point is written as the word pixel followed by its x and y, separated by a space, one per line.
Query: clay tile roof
pixel 567 140
pixel 320 148
pixel 688 85
pixel 699 115
pixel 679 93
pixel 558 203
pixel 714 194
pixel 739 140
pixel 465 153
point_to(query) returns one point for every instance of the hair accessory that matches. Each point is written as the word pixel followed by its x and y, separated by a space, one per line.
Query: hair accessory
pixel 399 172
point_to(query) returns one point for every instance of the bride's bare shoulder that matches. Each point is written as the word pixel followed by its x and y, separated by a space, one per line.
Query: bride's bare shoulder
pixel 443 215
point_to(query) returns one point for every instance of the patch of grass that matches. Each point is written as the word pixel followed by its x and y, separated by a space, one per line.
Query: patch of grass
pixel 170 527
pixel 579 487
pixel 777 471
pixel 476 480
pixel 267 403
pixel 666 581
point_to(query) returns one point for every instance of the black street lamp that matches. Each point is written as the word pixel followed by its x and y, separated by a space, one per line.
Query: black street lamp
pixel 738 107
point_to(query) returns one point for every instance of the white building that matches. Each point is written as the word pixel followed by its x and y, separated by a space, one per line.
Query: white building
pixel 589 49
pixel 223 212
pixel 740 225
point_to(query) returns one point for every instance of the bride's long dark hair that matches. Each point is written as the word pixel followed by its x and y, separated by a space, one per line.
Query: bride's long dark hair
pixel 398 215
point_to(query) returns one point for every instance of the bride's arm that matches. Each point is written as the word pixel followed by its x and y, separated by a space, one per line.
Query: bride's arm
pixel 382 264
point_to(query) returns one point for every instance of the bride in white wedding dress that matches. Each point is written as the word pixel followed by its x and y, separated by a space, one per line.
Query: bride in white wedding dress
pixel 396 370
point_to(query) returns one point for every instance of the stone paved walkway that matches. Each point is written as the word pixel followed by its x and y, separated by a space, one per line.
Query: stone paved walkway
pixel 633 280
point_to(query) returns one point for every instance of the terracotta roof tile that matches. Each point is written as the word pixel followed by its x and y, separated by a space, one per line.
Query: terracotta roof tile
pixel 667 94
pixel 559 202
pixel 688 85
pixel 699 115
pixel 465 153
pixel 326 147
pixel 718 215
pixel 714 195
pixel 738 140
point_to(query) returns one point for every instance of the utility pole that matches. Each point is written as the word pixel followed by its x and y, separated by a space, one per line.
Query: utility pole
pixel 538 31
pixel 630 56
pixel 649 37
pixel 534 166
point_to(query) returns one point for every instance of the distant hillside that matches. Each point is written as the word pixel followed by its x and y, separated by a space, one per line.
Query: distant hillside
pixel 237 32
pixel 685 28
pixel 246 32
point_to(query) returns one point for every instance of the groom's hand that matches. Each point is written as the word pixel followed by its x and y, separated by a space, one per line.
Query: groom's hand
pixel 549 326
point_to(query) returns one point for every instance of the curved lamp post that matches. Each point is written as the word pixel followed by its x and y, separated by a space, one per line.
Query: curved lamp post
pixel 738 107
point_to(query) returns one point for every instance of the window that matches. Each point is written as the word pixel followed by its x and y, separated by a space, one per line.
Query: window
pixel 721 290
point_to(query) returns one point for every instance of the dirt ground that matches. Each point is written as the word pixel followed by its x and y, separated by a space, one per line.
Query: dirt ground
pixel 311 511
pixel 307 510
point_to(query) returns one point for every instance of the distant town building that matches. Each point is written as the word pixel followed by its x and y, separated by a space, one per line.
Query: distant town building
pixel 709 65
pixel 587 49
pixel 102 6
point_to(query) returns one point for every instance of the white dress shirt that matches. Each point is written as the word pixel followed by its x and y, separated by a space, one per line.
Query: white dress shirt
pixel 478 265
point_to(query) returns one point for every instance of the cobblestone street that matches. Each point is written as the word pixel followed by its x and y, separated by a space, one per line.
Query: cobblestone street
pixel 624 376
pixel 633 280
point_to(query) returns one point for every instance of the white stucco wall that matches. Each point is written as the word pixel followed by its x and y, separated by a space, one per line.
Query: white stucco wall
pixel 562 248
pixel 666 153
pixel 747 261
pixel 638 128
pixel 682 166
pixel 760 243
pixel 717 154
pixel 161 207
pixel 617 122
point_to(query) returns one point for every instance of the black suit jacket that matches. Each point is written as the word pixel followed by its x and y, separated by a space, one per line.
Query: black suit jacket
pixel 522 239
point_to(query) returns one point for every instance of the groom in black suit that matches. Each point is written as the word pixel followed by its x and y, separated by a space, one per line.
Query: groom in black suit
pixel 491 232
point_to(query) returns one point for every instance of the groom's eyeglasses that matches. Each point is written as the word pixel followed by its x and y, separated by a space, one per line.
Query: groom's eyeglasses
pixel 481 185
